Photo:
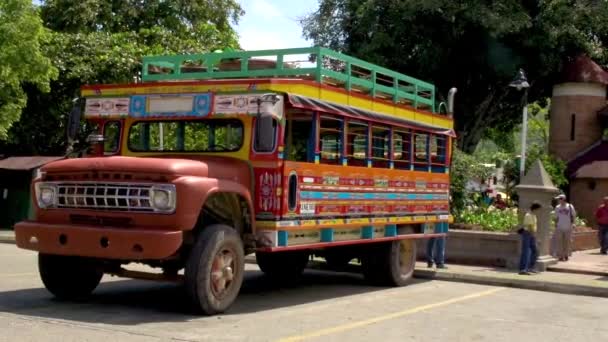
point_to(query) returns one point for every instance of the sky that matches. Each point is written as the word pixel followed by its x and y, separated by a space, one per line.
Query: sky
pixel 273 24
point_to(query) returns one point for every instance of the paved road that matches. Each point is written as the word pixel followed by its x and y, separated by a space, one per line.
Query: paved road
pixel 326 307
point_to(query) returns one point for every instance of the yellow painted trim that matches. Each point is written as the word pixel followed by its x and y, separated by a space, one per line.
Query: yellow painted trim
pixel 302 89
pixel 346 223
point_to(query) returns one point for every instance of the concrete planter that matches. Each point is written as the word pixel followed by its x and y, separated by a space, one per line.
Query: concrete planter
pixel 479 248
pixel 496 249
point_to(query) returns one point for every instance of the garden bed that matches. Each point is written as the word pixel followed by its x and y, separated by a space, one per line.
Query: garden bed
pixel 474 246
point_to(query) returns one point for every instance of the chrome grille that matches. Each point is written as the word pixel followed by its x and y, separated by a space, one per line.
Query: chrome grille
pixel 104 196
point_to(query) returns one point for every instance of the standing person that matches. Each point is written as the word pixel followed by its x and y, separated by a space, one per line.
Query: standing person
pixel 601 215
pixel 529 251
pixel 564 226
pixel 435 252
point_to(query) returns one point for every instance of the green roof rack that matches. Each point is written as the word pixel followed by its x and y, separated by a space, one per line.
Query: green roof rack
pixel 321 65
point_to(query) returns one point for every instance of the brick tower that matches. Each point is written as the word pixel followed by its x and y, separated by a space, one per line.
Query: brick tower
pixel 579 115
pixel 574 124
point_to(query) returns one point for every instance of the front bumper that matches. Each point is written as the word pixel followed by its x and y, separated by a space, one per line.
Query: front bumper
pixel 91 241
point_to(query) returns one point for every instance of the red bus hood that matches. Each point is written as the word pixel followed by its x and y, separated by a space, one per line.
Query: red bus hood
pixel 173 167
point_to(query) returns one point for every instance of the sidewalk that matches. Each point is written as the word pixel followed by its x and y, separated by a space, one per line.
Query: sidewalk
pixel 568 283
pixel 584 262
pixel 7 236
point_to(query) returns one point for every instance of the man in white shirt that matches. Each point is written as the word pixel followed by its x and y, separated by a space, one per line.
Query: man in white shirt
pixel 564 226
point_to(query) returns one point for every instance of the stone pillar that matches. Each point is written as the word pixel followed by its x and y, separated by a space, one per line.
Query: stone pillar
pixel 537 186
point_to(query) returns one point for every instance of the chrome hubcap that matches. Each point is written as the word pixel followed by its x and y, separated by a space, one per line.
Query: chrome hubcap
pixel 222 272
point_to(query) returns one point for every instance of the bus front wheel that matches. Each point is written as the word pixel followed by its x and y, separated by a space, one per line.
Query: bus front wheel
pixel 214 269
pixel 390 264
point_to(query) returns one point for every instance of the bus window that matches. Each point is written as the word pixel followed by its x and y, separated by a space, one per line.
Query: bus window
pixel 438 149
pixel 298 141
pixel 380 147
pixel 421 151
pixel 402 142
pixel 331 139
pixel 357 143
pixel 111 134
pixel 221 135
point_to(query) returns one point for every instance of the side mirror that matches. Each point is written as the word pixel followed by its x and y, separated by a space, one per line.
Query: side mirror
pixel 265 132
pixel 74 120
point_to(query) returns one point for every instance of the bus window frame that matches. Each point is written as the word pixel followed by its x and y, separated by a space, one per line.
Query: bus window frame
pixel 169 120
pixel 340 134
pixel 349 153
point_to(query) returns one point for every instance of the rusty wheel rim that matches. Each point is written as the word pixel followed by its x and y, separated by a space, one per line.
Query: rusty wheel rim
pixel 406 249
pixel 223 272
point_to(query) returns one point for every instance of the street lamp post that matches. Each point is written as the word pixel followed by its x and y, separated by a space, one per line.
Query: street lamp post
pixel 521 82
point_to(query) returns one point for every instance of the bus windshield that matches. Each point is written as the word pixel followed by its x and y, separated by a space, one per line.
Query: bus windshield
pixel 220 135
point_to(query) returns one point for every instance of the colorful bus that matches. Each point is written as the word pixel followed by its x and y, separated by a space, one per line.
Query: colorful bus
pixel 208 158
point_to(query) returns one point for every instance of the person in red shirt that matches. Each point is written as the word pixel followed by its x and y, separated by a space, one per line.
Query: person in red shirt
pixel 499 203
pixel 601 215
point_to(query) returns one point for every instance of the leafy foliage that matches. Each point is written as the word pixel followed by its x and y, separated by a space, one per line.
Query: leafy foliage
pixel 21 59
pixel 476 46
pixel 489 219
pixel 464 168
pixel 90 46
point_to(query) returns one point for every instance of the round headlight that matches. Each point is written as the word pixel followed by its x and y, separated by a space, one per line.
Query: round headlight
pixel 161 199
pixel 47 196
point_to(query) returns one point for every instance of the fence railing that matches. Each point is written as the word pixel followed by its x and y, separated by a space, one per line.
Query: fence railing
pixel 315 63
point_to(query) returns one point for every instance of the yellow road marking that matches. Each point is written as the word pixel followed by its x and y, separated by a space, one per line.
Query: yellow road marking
pixel 354 325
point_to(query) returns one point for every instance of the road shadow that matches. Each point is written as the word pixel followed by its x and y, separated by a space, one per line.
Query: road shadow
pixel 132 302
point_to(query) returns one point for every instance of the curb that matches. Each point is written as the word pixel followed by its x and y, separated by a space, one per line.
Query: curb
pixel 527 284
pixel 7 239
pixel 572 271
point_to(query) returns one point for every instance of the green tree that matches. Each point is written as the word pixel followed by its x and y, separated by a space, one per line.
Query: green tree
pixel 465 168
pixel 90 46
pixel 21 59
pixel 476 46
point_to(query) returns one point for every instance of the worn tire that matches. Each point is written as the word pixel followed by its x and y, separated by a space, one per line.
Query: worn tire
pixel 390 264
pixel 207 271
pixel 69 277
pixel 283 267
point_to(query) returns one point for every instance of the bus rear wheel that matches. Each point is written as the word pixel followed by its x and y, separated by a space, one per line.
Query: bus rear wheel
pixel 390 264
pixel 215 269
pixel 69 277
pixel 283 267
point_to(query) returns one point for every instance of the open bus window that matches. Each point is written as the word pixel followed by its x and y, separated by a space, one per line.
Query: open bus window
pixel 438 149
pixel 421 147
pixel 221 135
pixel 380 144
pixel 111 135
pixel 331 139
pixel 357 142
pixel 402 141
pixel 298 139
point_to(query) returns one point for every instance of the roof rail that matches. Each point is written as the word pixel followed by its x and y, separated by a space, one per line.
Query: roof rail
pixel 321 65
